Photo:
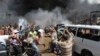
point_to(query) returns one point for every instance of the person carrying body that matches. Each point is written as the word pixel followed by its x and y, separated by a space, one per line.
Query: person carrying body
pixel 65 45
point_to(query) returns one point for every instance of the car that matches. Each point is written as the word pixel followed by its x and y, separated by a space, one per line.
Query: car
pixel 87 39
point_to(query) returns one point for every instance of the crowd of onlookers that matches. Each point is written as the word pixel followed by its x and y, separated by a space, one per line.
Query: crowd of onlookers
pixel 30 37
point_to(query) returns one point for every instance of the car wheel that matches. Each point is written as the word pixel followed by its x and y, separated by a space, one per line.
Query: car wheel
pixel 86 53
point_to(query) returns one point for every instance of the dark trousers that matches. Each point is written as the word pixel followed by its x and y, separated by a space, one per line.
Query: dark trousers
pixel 17 50
pixel 54 47
pixel 24 44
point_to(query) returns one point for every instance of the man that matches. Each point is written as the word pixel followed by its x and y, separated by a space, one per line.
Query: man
pixel 66 44
pixel 1 31
pixel 15 41
pixel 54 40
pixel 70 33
pixel 33 34
pixel 41 40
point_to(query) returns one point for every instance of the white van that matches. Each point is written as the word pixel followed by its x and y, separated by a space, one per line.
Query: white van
pixel 87 39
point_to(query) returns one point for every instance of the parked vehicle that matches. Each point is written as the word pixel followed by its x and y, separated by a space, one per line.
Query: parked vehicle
pixel 87 39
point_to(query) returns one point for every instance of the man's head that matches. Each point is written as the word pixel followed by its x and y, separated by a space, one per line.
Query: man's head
pixel 15 26
pixel 32 29
pixel 53 29
pixel 65 36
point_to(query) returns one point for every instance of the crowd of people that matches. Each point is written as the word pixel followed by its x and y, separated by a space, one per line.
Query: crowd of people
pixel 30 37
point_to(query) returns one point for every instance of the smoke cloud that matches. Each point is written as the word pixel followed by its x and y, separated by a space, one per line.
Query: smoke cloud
pixel 45 18
pixel 6 16
pixel 76 10
pixel 79 10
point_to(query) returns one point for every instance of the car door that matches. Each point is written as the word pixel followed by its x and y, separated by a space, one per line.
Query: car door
pixel 92 43
pixel 79 41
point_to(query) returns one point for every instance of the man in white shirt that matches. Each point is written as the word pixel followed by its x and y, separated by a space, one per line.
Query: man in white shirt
pixel 3 38
pixel 41 41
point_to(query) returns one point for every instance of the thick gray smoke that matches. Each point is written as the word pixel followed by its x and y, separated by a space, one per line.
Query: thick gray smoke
pixel 75 11
pixel 6 16
pixel 45 18
pixel 79 10
pixel 11 9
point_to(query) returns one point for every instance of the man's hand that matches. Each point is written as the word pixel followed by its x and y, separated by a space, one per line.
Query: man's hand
pixel 11 35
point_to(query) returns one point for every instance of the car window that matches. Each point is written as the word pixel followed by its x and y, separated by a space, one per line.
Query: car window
pixel 91 34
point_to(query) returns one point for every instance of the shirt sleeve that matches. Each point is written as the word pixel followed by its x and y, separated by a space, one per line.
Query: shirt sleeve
pixel 62 43
pixel 3 38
